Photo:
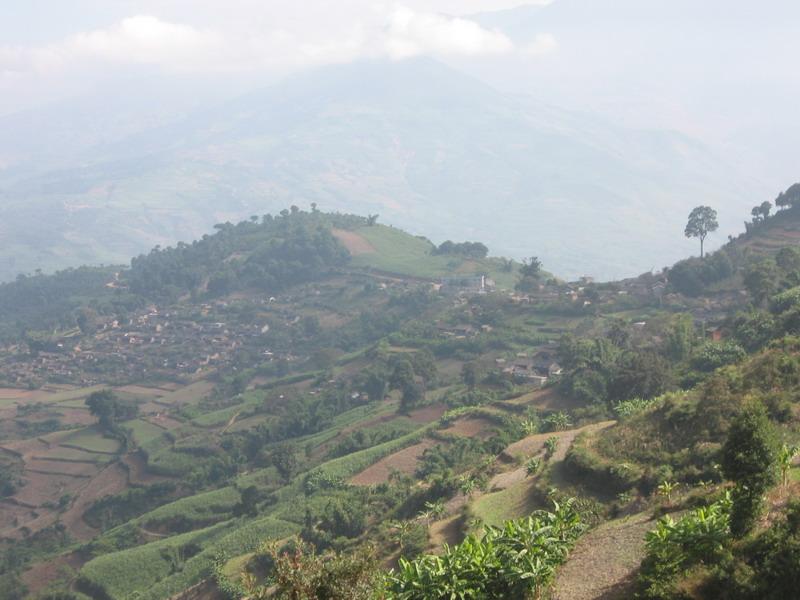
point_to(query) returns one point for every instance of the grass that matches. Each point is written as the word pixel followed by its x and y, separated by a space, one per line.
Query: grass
pixel 201 508
pixel 163 568
pixel 404 254
pixel 511 503
pixel 219 417
pixel 190 394
pixel 143 431
pixel 92 439
pixel 73 454
pixel 78 394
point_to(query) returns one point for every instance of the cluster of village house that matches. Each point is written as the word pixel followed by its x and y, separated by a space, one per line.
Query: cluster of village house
pixel 162 344
pixel 153 344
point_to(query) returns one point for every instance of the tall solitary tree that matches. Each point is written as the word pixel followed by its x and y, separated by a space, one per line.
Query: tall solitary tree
pixel 702 221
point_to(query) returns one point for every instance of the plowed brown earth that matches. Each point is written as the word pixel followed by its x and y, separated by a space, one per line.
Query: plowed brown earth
pixel 471 427
pixel 112 480
pixel 404 461
pixel 427 414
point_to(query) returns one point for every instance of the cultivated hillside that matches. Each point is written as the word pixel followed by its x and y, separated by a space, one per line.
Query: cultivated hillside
pixel 186 427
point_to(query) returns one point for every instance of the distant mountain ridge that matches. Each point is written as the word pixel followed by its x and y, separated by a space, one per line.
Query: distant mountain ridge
pixel 428 148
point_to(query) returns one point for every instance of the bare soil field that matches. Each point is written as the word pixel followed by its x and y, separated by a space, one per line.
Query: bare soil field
pixel 14 394
pixel 470 427
pixel 111 480
pixel 42 574
pixel 404 460
pixel 427 414
pixel 533 444
pixel 75 416
pixel 43 466
pixel 355 243
pixel 13 516
pixel 40 489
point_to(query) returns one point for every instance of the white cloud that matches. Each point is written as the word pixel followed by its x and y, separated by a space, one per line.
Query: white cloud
pixel 411 33
pixel 353 30
pixel 146 39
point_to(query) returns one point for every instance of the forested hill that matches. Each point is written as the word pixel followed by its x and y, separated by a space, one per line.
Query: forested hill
pixel 264 254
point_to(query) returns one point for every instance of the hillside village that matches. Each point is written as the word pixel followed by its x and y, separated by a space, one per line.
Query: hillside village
pixel 183 432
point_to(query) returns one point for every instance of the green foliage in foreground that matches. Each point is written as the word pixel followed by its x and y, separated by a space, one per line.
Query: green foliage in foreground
pixel 674 546
pixel 515 561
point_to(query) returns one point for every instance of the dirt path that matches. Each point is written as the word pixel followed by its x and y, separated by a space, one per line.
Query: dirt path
pixel 611 554
pixel 534 444
pixel 231 421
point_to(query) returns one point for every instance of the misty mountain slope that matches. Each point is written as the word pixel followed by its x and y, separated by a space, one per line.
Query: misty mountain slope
pixel 429 149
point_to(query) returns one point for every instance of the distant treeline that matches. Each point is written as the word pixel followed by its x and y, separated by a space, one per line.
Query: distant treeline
pixel 468 249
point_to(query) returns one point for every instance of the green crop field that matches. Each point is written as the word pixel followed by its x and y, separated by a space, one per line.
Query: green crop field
pixel 510 503
pixel 92 439
pixel 404 254
pixel 188 395
pixel 205 507
pixel 72 395
pixel 143 431
pixel 123 574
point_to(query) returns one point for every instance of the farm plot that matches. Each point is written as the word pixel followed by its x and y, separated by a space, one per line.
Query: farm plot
pixel 404 461
pixel 477 427
pixel 45 466
pixel 143 431
pixel 91 439
pixel 75 395
pixel 191 394
pixel 72 455
pixel 111 480
pixel 40 489
pixel 14 516
pixel 14 394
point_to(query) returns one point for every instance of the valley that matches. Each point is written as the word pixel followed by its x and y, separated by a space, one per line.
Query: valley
pixel 324 376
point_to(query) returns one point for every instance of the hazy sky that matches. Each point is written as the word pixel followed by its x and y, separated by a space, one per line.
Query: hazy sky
pixel 48 47
pixel 724 71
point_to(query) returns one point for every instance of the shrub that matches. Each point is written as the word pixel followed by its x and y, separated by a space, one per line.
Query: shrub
pixel 517 559
pixel 702 535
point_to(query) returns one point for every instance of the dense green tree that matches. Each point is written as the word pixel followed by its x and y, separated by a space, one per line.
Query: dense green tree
pixel 789 198
pixel 761 212
pixel 749 459
pixel 284 459
pixel 402 374
pixel 413 396
pixel 761 279
pixel 530 274
pixel 702 221
pixel 470 374
pixel 109 409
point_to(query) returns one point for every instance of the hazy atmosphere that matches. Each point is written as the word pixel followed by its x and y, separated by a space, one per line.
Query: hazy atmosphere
pixel 365 300
pixel 632 114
